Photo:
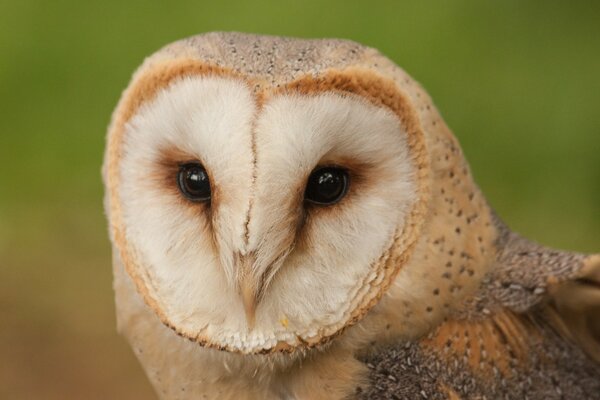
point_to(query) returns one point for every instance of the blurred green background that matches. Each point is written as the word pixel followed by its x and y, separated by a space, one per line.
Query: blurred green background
pixel 518 82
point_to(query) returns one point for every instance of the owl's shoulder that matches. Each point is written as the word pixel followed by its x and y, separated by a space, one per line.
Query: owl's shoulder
pixel 505 355
pixel 528 331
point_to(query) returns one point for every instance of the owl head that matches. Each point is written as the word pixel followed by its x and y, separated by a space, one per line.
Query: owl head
pixel 263 193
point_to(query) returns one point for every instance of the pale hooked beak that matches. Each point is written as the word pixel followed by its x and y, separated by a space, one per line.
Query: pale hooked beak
pixel 248 287
pixel 253 275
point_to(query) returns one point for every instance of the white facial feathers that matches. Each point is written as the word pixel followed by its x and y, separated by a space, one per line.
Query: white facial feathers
pixel 310 263
pixel 208 120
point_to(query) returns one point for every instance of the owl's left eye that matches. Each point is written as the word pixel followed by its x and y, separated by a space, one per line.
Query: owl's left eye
pixel 326 185
pixel 193 182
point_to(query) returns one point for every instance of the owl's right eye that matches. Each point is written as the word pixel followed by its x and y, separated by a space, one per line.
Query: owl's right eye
pixel 193 182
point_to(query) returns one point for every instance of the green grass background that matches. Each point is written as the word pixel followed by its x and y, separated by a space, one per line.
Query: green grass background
pixel 517 81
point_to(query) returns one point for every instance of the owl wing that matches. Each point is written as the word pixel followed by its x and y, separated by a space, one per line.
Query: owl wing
pixel 563 288
pixel 531 331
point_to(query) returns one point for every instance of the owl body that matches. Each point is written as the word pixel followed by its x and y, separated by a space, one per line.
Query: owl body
pixel 293 219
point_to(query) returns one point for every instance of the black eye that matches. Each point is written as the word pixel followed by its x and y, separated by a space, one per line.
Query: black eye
pixel 326 185
pixel 193 182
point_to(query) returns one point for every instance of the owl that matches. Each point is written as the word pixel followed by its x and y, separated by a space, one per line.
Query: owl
pixel 292 219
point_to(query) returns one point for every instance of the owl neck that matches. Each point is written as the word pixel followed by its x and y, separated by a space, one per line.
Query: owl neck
pixel 454 252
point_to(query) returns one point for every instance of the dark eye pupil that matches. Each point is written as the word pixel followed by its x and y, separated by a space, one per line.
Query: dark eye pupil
pixel 326 185
pixel 193 182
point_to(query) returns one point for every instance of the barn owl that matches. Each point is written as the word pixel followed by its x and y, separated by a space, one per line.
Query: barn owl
pixel 292 219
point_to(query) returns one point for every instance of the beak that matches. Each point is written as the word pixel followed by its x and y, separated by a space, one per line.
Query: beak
pixel 252 276
pixel 248 287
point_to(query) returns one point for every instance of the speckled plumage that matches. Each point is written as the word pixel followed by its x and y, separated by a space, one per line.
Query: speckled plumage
pixel 539 355
pixel 458 306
